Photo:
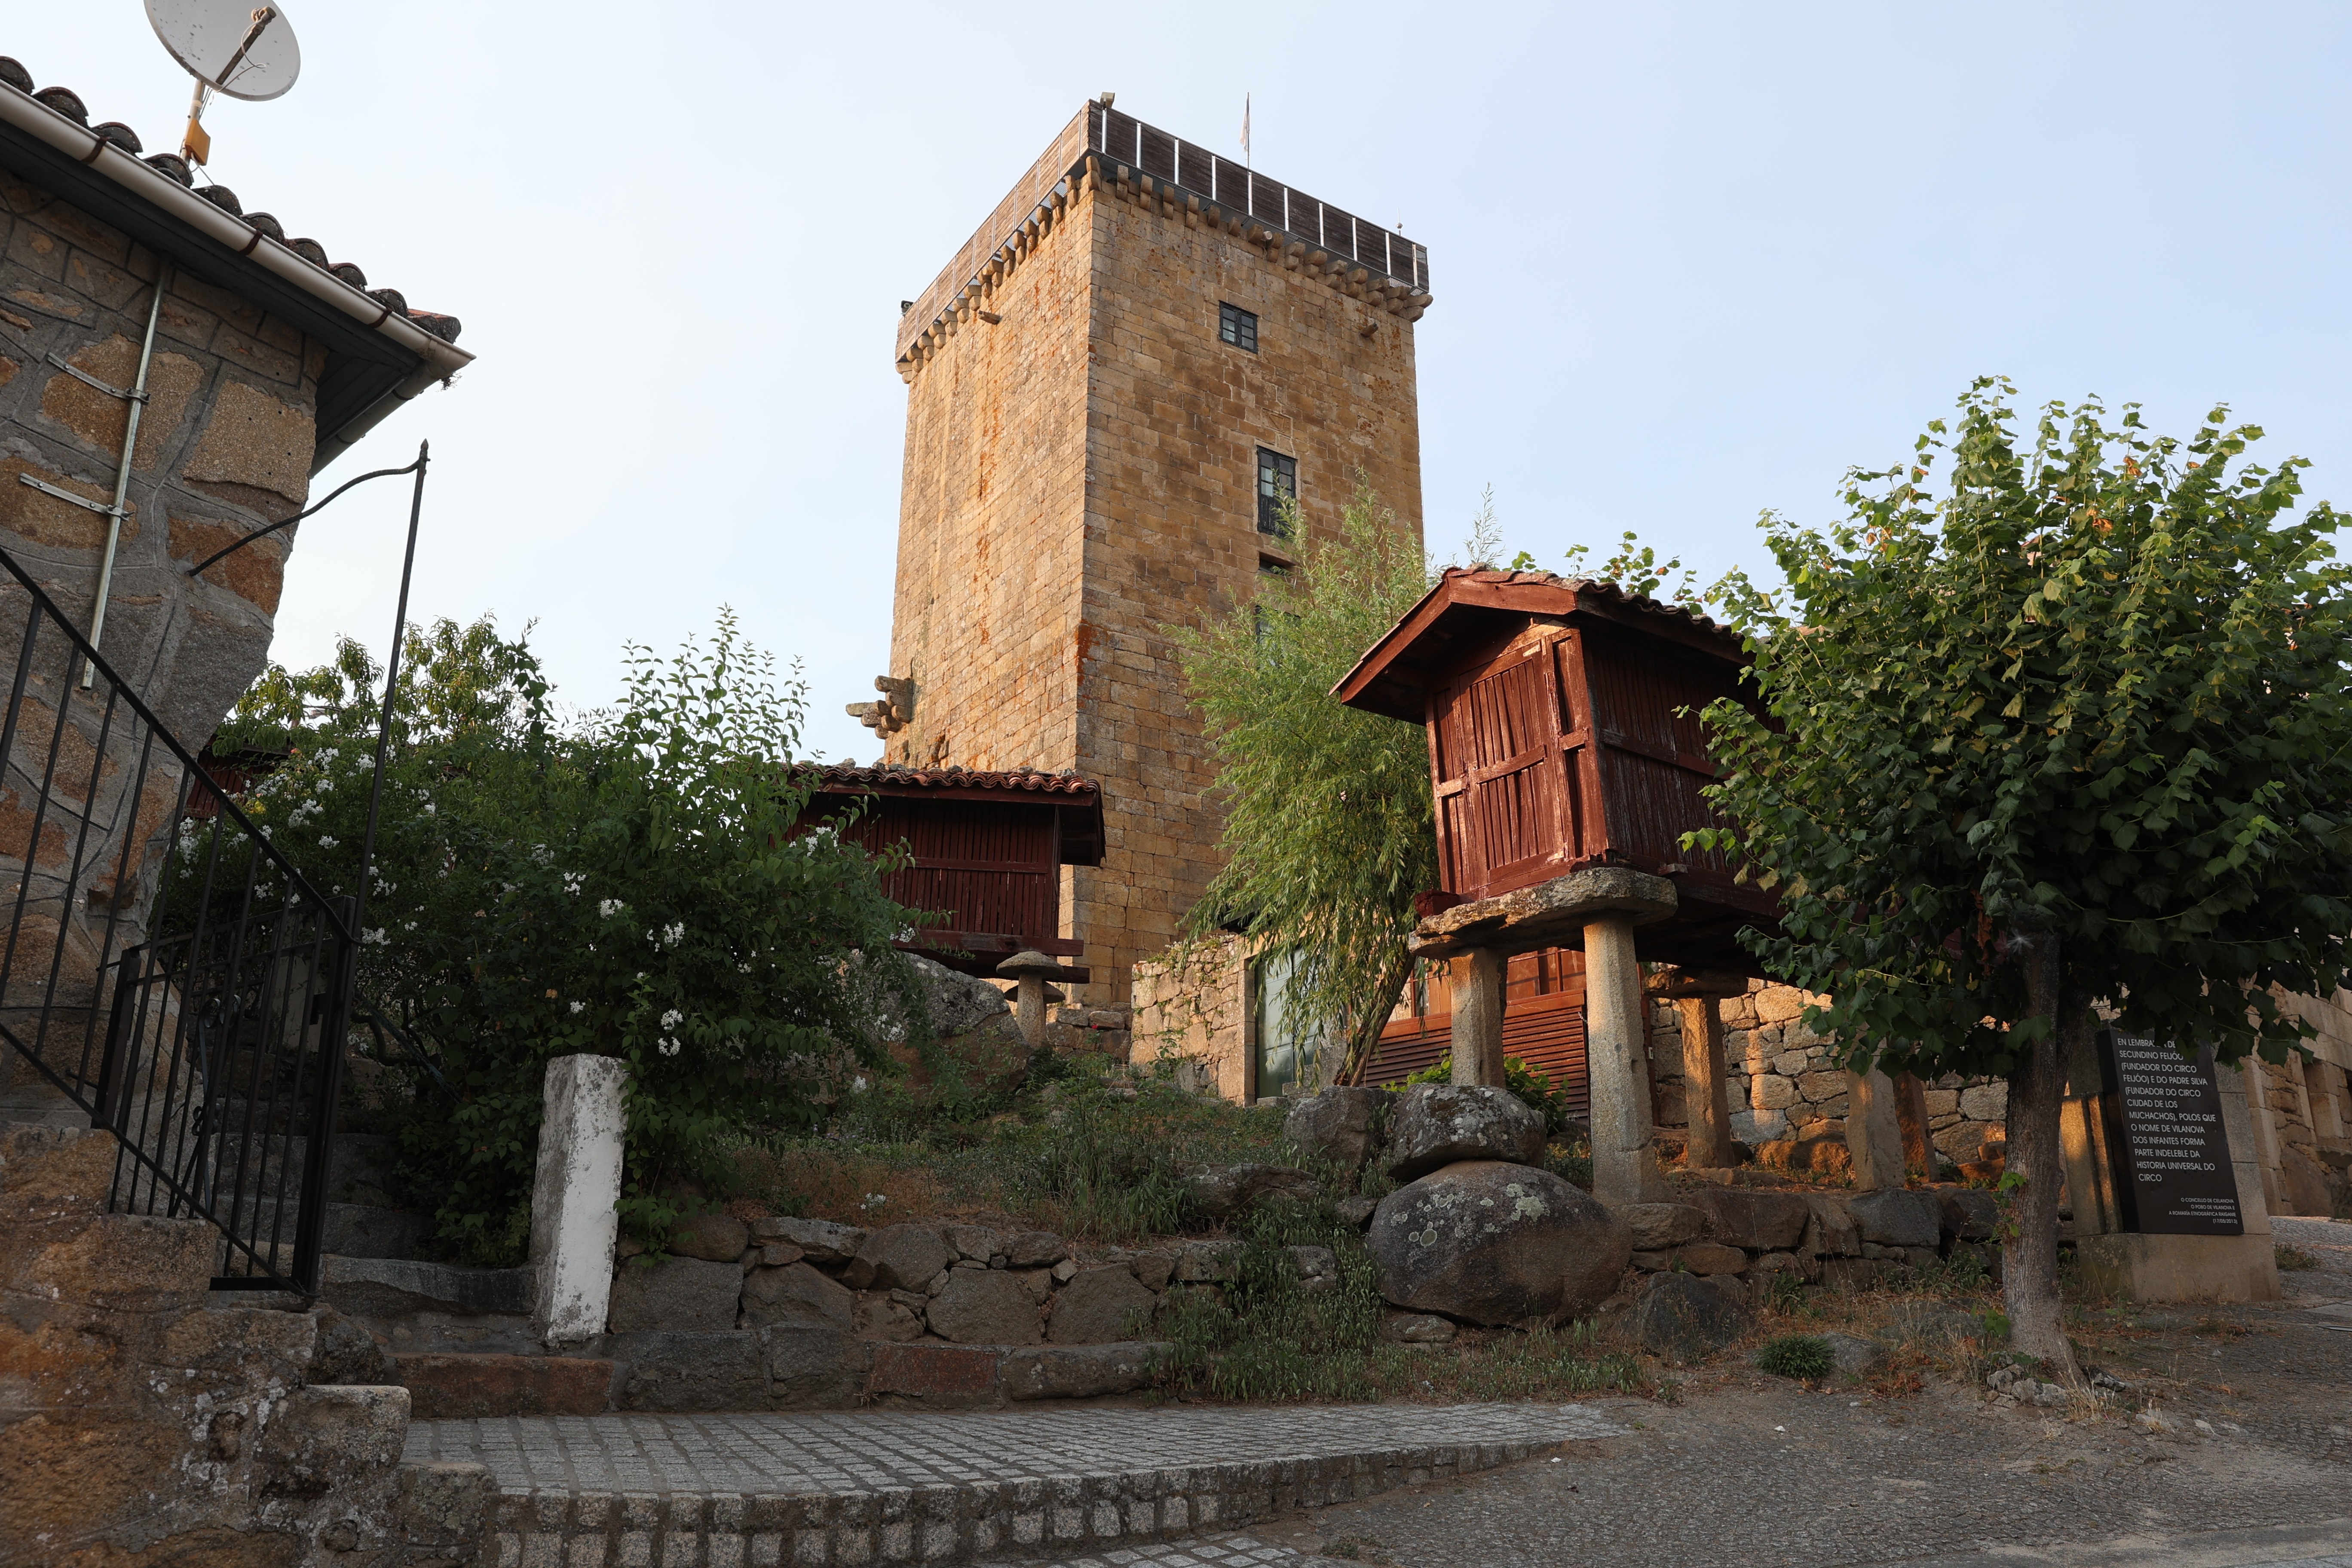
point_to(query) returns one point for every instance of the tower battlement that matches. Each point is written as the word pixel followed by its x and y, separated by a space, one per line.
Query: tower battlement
pixel 1213 189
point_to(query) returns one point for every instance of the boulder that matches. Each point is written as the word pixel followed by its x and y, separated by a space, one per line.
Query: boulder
pixel 1338 1126
pixel 1222 1192
pixel 1966 1214
pixel 344 1353
pixel 812 1369
pixel 1658 1226
pixel 678 1295
pixel 1416 1329
pixel 897 1257
pixel 1201 1262
pixel 958 1003
pixel 1080 1372
pixel 1440 1124
pixel 978 1041
pixel 821 1240
pixel 1317 1266
pixel 687 1370
pixel 1897 1217
pixel 1035 1250
pixel 1708 1258
pixel 1491 1242
pixel 880 1318
pixel 984 1307
pixel 715 1237
pixel 1830 1229
pixel 1357 1212
pixel 797 1295
pixel 1100 1306
pixel 1681 1316
pixel 1758 1221
pixel 1852 1355
pixel 976 1242
pixel 1153 1269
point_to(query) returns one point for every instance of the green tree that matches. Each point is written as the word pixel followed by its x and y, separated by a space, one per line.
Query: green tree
pixel 634 886
pixel 2071 735
pixel 1328 829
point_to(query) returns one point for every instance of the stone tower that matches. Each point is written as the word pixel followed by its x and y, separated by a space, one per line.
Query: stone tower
pixel 1106 388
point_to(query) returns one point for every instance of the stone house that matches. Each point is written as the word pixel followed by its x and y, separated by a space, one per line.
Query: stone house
pixel 144 1417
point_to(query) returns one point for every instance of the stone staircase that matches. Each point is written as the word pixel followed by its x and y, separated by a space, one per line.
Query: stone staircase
pixel 149 1418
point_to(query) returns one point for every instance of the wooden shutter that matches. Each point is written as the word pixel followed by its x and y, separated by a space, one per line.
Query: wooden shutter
pixel 1497 760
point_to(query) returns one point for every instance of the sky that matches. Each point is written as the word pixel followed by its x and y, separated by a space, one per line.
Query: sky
pixel 1691 261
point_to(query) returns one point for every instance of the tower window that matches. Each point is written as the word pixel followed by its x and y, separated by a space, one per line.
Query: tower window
pixel 1277 477
pixel 1237 327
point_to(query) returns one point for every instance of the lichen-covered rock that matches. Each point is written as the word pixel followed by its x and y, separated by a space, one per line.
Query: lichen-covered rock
pixel 678 1295
pixel 1338 1125
pixel 898 1257
pixel 1222 1192
pixel 1684 1316
pixel 1099 1306
pixel 1898 1219
pixel 715 1237
pixel 797 1294
pixel 984 1307
pixel 820 1240
pixel 1491 1242
pixel 1658 1226
pixel 1442 1123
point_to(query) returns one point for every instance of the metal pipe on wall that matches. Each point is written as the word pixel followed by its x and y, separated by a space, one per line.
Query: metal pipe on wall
pixel 138 401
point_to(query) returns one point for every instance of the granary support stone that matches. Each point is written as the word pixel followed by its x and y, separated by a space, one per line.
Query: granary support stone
pixel 1698 999
pixel 1031 970
pixel 1624 1143
pixel 1873 1132
pixel 1478 1016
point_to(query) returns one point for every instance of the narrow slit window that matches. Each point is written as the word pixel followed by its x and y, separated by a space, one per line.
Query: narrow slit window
pixel 1237 327
pixel 1277 477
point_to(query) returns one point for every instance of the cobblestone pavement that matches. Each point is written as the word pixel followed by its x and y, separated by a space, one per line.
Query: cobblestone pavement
pixel 825 1451
pixel 1753 1471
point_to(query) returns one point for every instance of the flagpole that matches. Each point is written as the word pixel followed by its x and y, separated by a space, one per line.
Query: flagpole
pixel 1246 157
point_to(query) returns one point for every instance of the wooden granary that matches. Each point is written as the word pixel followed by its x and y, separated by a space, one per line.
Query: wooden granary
pixel 1568 759
pixel 1564 732
pixel 988 851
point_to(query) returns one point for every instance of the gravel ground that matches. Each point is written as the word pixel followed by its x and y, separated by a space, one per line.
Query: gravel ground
pixel 1755 1471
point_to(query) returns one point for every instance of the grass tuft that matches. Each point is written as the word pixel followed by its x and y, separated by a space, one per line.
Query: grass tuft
pixel 1804 1357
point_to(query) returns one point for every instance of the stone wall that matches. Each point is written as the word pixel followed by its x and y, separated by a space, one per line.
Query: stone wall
pixel 1194 1003
pixel 224 446
pixel 1081 474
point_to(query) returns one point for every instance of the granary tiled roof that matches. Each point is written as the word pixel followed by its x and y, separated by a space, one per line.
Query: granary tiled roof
pixel 1606 588
pixel 852 776
pixel 381 350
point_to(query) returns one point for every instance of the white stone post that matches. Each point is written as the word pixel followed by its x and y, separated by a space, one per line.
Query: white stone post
pixel 1874 1133
pixel 1616 1043
pixel 574 1217
pixel 1478 1016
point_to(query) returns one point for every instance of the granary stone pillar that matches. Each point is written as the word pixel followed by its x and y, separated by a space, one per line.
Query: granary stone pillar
pixel 575 1214
pixel 1624 1142
pixel 1030 970
pixel 1911 1115
pixel 1478 977
pixel 1873 1132
pixel 1699 1000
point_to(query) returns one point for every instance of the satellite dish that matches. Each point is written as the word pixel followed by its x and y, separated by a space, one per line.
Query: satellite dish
pixel 230 45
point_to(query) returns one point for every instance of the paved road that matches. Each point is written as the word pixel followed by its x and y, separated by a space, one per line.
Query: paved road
pixel 1756 1472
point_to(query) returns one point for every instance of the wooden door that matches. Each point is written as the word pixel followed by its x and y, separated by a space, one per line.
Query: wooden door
pixel 1505 819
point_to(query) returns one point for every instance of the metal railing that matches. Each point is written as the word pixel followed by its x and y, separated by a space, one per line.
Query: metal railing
pixel 179 981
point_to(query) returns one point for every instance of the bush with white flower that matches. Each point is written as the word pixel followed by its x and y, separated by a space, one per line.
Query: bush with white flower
pixel 631 885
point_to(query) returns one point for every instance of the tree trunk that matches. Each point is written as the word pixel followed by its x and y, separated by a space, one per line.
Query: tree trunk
pixel 2036 1091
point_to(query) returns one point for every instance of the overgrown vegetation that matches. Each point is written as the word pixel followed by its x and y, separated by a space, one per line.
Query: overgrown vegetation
pixel 629 886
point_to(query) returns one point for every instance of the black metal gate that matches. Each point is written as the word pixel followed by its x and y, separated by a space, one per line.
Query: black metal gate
pixel 180 982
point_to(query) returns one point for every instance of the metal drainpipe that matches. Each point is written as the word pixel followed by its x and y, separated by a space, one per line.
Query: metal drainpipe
pixel 122 472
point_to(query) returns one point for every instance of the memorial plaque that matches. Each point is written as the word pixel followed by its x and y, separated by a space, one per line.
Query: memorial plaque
pixel 2176 1178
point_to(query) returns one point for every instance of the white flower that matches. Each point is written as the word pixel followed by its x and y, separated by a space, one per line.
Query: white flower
pixel 376 935
pixel 575 881
pixel 326 841
pixel 608 908
pixel 669 1047
pixel 743 969
pixel 876 1200
pixel 579 1008
pixel 670 1018
pixel 673 935
pixel 428 808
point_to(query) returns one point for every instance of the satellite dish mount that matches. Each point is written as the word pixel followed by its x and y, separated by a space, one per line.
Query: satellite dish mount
pixel 229 47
